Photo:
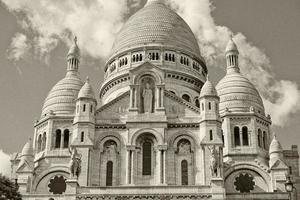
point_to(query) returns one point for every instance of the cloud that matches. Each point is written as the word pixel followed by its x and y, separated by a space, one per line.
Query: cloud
pixel 18 47
pixel 281 97
pixel 4 163
pixel 94 22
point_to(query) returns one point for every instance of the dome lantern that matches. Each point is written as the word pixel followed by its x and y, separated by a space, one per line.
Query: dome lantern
pixel 73 57
pixel 232 57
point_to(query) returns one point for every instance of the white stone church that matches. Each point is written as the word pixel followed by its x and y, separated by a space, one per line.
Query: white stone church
pixel 162 129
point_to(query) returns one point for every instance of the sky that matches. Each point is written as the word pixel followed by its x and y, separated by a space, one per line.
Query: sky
pixel 35 36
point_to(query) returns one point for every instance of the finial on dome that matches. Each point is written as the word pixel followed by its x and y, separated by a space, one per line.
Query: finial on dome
pixel 87 80
pixel 73 56
pixel 232 56
pixel 75 40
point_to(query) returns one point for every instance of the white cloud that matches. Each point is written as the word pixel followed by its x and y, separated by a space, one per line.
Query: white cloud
pixel 4 163
pixel 94 22
pixel 18 47
pixel 281 97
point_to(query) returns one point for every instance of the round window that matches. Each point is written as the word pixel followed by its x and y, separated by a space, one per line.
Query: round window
pixel 57 185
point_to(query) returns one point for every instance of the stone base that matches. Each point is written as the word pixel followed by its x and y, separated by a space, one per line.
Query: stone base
pixel 72 185
pixel 217 188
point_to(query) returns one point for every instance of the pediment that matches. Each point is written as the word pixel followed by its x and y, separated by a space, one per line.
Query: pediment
pixel 113 111
pixel 279 164
pixel 24 166
pixel 176 107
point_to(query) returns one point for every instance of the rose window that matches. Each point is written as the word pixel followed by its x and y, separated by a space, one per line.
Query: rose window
pixel 57 185
pixel 244 183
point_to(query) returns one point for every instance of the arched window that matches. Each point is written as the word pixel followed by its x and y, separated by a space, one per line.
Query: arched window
pixel 184 173
pixel 265 140
pixel 166 56
pixel 197 103
pixel 245 136
pixel 141 57
pixel 39 143
pixel 83 107
pixel 44 141
pixel 157 56
pixel 259 138
pixel 209 105
pixel 237 141
pixel 109 173
pixel 82 137
pixel 211 135
pixel 57 138
pixel 170 58
pixel 173 58
pixel 133 58
pixel 186 97
pixel 202 105
pixel 147 150
pixel 91 108
pixel 66 138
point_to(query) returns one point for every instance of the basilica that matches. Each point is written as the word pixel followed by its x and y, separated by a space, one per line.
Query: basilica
pixel 157 128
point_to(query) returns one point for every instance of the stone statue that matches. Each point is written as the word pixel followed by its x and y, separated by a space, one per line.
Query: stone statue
pixel 215 164
pixel 148 98
pixel 75 163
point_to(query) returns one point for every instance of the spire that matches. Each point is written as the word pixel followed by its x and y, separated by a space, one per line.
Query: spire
pixel 73 57
pixel 232 56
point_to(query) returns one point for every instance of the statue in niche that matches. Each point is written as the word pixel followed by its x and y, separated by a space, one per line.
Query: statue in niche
pixel 215 164
pixel 75 163
pixel 148 98
pixel 184 147
pixel 110 147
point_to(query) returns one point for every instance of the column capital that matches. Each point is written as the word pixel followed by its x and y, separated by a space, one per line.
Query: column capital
pixel 130 147
pixel 162 147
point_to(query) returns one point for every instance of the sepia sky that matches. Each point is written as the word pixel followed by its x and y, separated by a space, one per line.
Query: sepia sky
pixel 30 65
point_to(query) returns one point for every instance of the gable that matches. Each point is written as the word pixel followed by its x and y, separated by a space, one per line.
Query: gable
pixel 176 107
pixel 115 110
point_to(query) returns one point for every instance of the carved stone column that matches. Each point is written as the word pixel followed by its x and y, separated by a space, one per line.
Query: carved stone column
pixel 133 98
pixel 130 165
pixel 161 164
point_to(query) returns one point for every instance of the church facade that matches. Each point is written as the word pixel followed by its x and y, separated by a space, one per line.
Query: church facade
pixel 162 129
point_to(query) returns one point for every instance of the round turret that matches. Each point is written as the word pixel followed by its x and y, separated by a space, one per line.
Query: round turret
pixel 208 89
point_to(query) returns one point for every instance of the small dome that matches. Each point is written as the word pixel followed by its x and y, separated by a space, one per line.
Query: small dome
pixel 86 91
pixel 61 99
pixel 208 89
pixel 156 25
pixel 275 146
pixel 74 49
pixel 27 149
pixel 231 46
pixel 238 94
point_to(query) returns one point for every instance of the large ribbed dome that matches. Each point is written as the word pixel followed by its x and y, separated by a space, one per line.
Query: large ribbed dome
pixel 156 24
pixel 238 94
pixel 61 98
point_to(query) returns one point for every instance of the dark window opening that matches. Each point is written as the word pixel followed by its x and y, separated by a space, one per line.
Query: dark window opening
pixel 109 173
pixel 197 103
pixel 66 138
pixel 209 106
pixel 184 173
pixel 237 141
pixel 82 136
pixel 211 135
pixel 186 97
pixel 259 138
pixel 57 138
pixel 147 150
pixel 245 136
pixel 83 108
